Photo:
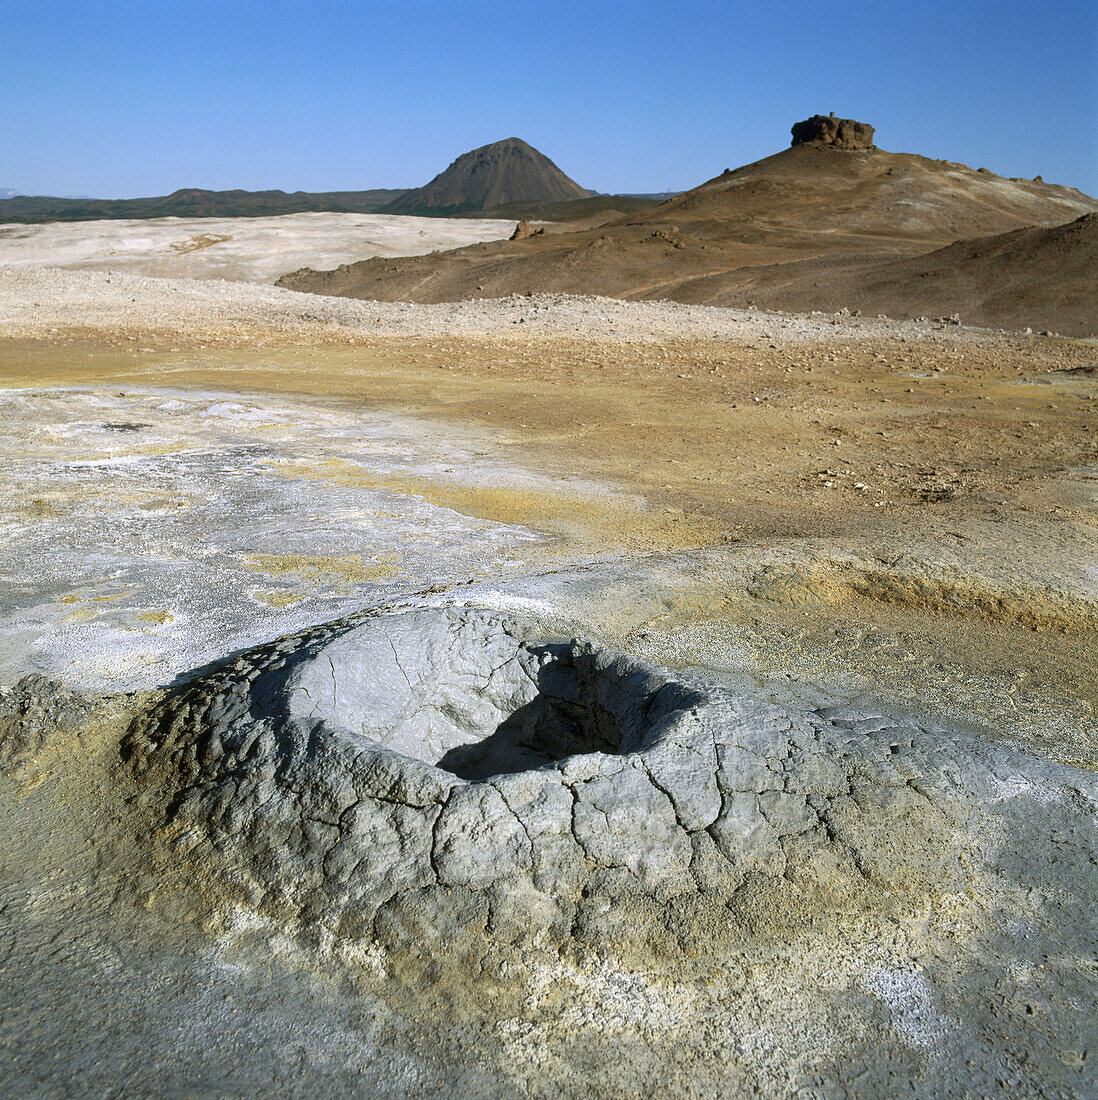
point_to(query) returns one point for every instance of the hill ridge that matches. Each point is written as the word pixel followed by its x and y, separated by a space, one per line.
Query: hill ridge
pixel 815 204
pixel 194 202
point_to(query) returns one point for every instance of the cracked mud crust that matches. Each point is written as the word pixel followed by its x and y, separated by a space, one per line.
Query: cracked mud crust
pixel 805 923
pixel 452 769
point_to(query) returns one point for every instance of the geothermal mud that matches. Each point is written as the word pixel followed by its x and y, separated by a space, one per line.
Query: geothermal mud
pixel 472 844
pixel 400 771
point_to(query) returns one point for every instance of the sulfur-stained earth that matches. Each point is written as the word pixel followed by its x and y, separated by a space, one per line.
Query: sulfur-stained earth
pixel 884 532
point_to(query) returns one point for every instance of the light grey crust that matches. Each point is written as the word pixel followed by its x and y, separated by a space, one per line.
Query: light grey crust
pixel 317 766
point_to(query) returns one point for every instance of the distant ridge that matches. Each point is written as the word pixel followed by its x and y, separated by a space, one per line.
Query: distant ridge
pixel 508 171
pixel 195 202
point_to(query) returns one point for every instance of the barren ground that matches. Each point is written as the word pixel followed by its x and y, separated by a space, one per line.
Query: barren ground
pixel 855 509
pixel 248 249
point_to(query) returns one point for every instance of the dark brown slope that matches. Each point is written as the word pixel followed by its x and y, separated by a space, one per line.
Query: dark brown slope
pixel 576 210
pixel 195 202
pixel 812 202
pixel 1037 277
pixel 508 171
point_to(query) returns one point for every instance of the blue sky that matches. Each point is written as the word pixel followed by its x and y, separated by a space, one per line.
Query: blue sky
pixel 118 99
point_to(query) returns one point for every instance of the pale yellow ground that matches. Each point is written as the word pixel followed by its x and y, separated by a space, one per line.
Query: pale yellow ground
pixel 974 453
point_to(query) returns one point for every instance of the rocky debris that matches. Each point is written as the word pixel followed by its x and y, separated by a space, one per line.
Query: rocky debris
pixel 429 771
pixel 45 301
pixel 842 133
pixel 31 712
pixel 524 230
pixel 668 234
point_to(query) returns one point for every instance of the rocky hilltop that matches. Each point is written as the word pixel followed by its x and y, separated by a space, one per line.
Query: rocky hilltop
pixel 504 172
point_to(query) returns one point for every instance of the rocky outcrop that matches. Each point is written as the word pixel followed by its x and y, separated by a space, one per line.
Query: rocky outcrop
pixel 524 229
pixel 32 712
pixel 842 133
pixel 445 771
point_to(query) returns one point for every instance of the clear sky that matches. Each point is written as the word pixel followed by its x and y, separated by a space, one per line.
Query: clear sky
pixel 116 99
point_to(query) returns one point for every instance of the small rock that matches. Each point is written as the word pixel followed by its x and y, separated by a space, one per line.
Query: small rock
pixel 523 230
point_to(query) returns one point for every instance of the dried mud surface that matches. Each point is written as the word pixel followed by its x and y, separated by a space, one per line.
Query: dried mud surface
pixel 880 535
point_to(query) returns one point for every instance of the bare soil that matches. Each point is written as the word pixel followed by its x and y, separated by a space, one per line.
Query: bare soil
pixel 903 511
pixel 813 439
pixel 959 459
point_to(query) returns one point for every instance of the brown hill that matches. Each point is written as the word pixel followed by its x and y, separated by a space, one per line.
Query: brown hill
pixel 830 198
pixel 508 171
pixel 1036 277
pixel 814 202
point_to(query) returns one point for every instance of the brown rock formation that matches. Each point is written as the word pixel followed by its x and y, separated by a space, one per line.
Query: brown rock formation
pixel 843 133
pixel 524 229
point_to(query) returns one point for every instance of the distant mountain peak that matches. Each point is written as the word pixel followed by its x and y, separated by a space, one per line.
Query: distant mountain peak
pixel 504 171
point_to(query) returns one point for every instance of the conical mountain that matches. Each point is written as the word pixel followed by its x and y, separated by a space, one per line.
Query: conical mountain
pixel 505 171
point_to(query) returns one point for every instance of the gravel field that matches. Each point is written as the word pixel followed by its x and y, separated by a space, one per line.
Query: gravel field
pixel 42 301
